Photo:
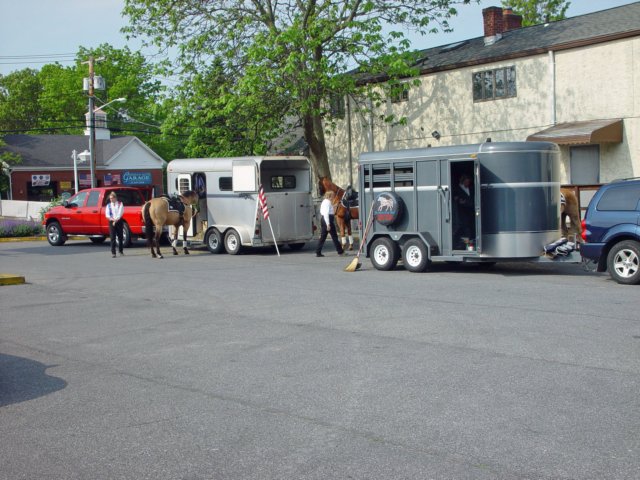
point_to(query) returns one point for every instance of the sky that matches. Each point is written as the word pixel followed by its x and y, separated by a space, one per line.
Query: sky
pixel 37 32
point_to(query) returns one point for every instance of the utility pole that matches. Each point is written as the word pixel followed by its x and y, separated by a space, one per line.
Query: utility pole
pixel 92 119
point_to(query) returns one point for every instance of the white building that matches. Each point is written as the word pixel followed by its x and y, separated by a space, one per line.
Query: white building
pixel 575 82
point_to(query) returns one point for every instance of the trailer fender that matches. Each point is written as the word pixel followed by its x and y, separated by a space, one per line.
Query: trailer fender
pixel 387 209
pixel 244 232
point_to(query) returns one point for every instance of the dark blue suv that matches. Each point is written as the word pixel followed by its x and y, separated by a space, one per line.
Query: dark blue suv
pixel 611 230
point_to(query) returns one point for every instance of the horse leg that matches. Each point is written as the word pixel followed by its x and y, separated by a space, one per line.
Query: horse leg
pixel 184 240
pixel 174 239
pixel 350 235
pixel 156 239
pixel 340 223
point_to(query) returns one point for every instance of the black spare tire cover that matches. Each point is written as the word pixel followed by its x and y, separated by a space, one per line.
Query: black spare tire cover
pixel 387 208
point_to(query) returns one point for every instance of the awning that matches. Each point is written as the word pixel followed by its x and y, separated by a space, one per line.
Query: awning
pixel 592 131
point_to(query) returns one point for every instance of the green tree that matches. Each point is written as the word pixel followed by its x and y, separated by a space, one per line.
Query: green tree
pixel 292 54
pixel 535 12
pixel 7 160
pixel 52 100
pixel 19 94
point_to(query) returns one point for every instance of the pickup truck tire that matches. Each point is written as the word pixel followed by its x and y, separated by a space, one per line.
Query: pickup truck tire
pixel 55 235
pixel 126 235
pixel 232 242
pixel 213 241
pixel 97 240
pixel 623 262
pixel 384 253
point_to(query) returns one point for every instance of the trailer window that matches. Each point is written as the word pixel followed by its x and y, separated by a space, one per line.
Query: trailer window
pixel 378 177
pixel 283 182
pixel 225 184
pixel 184 184
pixel 403 175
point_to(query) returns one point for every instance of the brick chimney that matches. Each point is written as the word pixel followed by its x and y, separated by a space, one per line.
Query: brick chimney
pixel 493 24
pixel 510 20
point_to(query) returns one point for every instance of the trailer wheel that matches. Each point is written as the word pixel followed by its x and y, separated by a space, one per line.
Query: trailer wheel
pixel 415 255
pixel 232 242
pixel 384 253
pixel 213 241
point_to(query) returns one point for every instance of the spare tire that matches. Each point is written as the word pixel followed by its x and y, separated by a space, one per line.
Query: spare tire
pixel 387 209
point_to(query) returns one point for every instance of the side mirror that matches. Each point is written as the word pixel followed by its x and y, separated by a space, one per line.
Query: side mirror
pixel 65 204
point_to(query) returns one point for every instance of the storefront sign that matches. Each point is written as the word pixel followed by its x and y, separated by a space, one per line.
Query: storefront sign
pixel 136 178
pixel 65 185
pixel 40 180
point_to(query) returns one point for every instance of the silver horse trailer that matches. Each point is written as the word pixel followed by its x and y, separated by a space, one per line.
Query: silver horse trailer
pixel 229 218
pixel 411 194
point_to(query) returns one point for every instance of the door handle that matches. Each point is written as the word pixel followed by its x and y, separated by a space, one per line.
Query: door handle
pixel 444 193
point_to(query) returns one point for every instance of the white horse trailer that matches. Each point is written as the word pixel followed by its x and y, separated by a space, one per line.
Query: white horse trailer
pixel 229 216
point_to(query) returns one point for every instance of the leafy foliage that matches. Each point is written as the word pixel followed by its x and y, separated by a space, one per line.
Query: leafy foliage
pixel 280 62
pixel 535 12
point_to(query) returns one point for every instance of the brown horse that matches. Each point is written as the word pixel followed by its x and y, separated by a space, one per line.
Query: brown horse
pixel 156 213
pixel 343 214
pixel 570 208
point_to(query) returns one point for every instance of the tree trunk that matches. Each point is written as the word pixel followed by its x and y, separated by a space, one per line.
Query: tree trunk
pixel 314 135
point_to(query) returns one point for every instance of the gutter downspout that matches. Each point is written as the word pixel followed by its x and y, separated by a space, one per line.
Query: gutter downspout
pixel 370 125
pixel 350 156
pixel 552 80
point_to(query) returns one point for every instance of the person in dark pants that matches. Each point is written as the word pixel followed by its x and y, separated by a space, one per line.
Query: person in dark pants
pixel 114 212
pixel 327 226
pixel 465 213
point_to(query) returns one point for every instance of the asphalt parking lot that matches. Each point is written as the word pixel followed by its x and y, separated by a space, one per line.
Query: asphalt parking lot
pixel 259 367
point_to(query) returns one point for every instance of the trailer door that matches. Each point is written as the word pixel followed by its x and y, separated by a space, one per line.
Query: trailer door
pixel 478 196
pixel 184 184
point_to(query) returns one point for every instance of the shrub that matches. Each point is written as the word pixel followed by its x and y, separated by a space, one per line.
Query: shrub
pixel 20 228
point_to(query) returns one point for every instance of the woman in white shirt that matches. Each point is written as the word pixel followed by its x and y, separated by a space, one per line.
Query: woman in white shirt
pixel 114 212
pixel 327 226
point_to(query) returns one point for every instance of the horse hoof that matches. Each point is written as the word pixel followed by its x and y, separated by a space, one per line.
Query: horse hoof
pixel 175 253
pixel 160 256
pixel 186 252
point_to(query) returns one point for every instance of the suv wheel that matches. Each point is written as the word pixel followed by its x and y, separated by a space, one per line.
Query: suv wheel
pixel 623 262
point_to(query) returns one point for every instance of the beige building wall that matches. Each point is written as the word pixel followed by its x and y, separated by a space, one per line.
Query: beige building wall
pixel 593 82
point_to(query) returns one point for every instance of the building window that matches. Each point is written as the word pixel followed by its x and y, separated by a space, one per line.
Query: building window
pixel 400 94
pixel 494 84
pixel 336 106
pixel 584 165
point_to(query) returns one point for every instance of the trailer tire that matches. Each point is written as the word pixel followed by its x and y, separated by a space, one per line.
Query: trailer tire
pixel 232 242
pixel 387 209
pixel 384 253
pixel 415 255
pixel 213 241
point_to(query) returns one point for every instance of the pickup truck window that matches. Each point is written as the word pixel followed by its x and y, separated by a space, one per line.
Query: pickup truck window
pixel 94 196
pixel 130 198
pixel 77 200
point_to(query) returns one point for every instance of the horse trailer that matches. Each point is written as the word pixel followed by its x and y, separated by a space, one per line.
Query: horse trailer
pixel 229 217
pixel 416 202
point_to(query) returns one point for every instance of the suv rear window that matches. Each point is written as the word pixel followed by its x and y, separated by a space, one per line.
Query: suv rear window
pixel 622 197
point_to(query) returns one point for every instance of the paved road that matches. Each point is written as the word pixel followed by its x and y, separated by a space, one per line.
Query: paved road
pixel 258 367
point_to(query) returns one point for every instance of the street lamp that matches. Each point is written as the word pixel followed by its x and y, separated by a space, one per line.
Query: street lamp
pixel 92 133
pixel 83 158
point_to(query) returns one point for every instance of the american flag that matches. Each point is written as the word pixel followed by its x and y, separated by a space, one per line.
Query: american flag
pixel 262 199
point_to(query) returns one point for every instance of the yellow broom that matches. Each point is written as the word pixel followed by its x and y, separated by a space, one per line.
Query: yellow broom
pixel 355 263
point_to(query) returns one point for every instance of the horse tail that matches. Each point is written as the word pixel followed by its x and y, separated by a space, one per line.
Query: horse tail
pixel 148 223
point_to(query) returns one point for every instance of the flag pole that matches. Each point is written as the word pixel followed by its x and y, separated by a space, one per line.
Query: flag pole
pixel 273 235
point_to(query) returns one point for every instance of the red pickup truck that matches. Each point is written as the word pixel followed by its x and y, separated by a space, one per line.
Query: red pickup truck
pixel 84 214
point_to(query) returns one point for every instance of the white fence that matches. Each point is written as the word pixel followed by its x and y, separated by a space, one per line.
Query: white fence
pixel 21 209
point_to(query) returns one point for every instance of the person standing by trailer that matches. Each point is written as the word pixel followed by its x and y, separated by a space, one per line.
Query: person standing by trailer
pixel 327 216
pixel 464 221
pixel 114 212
